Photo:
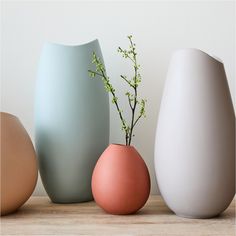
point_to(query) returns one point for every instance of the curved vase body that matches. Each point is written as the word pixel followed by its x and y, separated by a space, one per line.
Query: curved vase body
pixel 120 182
pixel 19 170
pixel 194 149
pixel 72 120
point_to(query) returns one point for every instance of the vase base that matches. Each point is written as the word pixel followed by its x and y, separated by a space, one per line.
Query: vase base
pixel 197 217
pixel 68 201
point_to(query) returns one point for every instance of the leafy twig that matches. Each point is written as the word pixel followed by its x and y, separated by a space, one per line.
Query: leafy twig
pixel 133 100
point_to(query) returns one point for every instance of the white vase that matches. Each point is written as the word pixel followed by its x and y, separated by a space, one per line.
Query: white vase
pixel 195 137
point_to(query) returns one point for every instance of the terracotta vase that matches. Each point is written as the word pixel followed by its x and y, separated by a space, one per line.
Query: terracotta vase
pixel 120 181
pixel 18 164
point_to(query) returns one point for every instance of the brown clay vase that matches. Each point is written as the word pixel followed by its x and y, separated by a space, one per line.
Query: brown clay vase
pixel 18 164
pixel 120 181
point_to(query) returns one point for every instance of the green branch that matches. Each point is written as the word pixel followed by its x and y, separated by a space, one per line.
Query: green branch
pixel 133 83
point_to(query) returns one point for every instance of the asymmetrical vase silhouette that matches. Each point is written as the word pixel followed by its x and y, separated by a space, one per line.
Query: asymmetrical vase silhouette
pixel 19 169
pixel 195 137
pixel 72 120
pixel 120 182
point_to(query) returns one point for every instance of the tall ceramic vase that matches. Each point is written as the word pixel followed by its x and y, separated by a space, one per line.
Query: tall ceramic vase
pixel 72 121
pixel 195 137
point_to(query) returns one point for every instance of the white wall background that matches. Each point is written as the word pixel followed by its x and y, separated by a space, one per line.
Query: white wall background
pixel 158 29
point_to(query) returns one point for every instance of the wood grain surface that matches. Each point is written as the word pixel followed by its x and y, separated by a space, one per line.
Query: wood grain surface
pixel 41 217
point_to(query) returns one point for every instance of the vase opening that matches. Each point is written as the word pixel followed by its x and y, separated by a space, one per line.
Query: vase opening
pixel 72 45
pixel 212 56
pixel 6 114
pixel 121 145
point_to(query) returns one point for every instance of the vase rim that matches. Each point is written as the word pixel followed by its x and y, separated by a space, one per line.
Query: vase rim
pixel 7 114
pixel 121 145
pixel 215 58
pixel 71 45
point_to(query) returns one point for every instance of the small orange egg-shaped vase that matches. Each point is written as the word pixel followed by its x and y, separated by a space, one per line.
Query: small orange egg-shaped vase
pixel 19 170
pixel 121 181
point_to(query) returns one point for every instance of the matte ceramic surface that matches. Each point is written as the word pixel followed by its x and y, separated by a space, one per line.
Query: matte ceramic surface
pixel 19 169
pixel 195 138
pixel 120 182
pixel 72 120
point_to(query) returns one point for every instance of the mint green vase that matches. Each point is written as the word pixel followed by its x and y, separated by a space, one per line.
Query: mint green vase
pixel 71 120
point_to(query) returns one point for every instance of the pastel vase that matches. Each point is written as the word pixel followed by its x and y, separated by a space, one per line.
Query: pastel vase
pixel 195 137
pixel 19 170
pixel 72 120
pixel 120 182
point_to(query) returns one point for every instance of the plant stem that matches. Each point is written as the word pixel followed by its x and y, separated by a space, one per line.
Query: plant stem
pixel 133 99
pixel 135 93
pixel 115 102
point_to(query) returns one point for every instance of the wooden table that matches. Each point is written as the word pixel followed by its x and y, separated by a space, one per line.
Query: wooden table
pixel 41 217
